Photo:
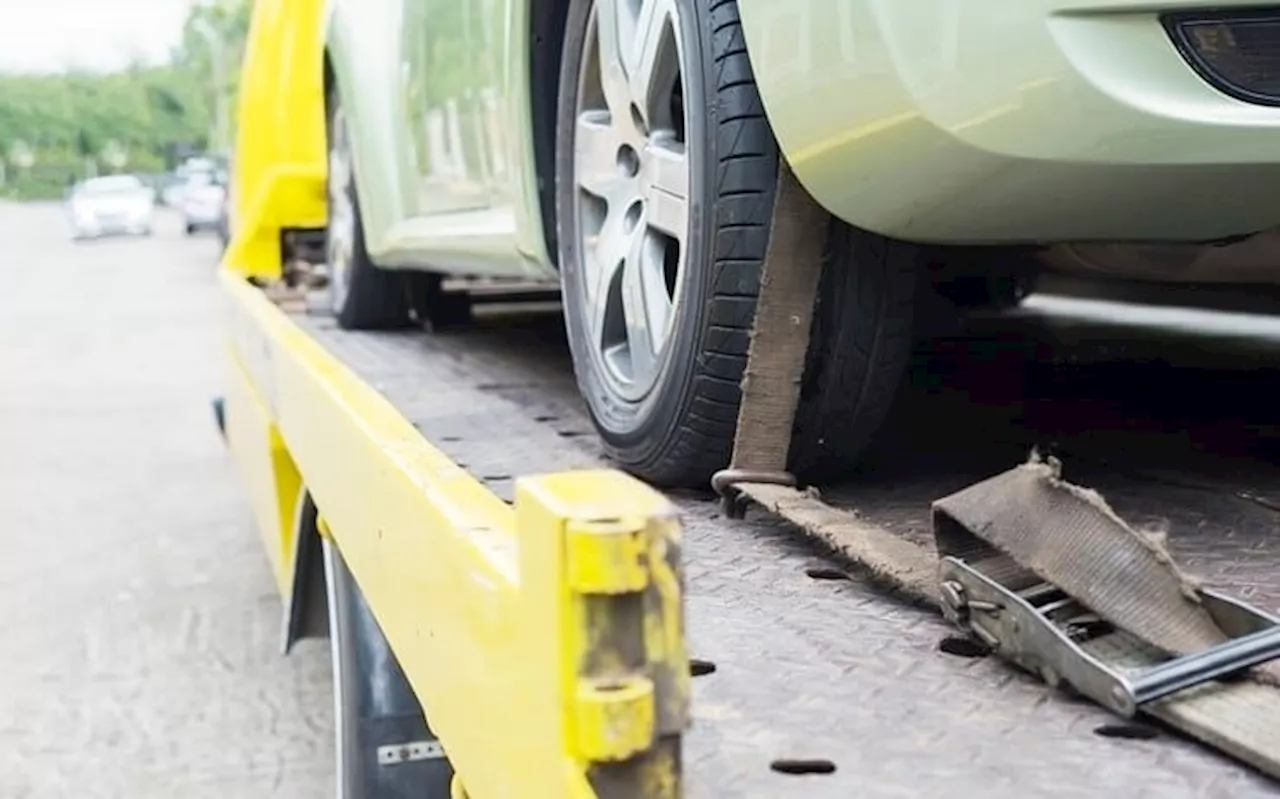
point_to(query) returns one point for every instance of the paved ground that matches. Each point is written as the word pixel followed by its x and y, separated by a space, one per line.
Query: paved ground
pixel 139 625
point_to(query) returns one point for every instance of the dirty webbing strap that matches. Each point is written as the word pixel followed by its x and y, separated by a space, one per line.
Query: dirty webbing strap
pixel 1026 520
pixel 780 334
pixel 789 283
pixel 907 569
pixel 1028 523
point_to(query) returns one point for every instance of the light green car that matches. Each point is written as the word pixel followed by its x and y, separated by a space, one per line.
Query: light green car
pixel 627 151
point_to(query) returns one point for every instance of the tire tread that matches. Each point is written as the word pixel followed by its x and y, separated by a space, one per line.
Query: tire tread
pixel 746 171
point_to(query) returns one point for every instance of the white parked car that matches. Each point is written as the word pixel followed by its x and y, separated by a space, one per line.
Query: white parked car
pixel 202 201
pixel 111 205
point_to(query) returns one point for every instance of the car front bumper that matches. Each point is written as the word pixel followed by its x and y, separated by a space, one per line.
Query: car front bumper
pixel 1042 120
pixel 202 217
pixel 94 228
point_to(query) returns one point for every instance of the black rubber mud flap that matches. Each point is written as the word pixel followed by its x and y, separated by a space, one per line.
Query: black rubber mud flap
pixel 220 416
pixel 389 751
pixel 306 611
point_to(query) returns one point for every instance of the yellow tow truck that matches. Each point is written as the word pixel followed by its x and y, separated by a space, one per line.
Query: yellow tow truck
pixel 511 616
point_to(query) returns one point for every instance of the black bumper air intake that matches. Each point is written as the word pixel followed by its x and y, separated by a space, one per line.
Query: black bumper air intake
pixel 1237 52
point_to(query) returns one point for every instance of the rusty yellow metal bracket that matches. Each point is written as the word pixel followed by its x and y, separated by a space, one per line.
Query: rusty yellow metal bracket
pixel 545 641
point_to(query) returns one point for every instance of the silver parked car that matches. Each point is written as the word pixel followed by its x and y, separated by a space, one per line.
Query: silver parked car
pixel 111 205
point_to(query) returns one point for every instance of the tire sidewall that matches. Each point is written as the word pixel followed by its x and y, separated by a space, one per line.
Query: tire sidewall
pixel 338 303
pixel 639 428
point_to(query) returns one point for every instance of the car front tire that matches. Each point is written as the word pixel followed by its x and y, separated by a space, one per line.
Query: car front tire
pixel 662 226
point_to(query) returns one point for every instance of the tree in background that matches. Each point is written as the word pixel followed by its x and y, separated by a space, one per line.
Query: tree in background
pixel 213 40
pixel 154 115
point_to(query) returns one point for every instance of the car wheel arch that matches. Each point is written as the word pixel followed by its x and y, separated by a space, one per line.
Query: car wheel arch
pixel 546 35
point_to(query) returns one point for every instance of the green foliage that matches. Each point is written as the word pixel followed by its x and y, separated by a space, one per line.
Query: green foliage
pixel 215 68
pixel 155 113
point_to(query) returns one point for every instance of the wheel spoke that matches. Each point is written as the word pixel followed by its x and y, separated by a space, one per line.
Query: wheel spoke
pixel 339 168
pixel 657 301
pixel 613 78
pixel 607 249
pixel 595 154
pixel 637 302
pixel 340 221
pixel 338 234
pixel 337 176
pixel 667 191
pixel 651 59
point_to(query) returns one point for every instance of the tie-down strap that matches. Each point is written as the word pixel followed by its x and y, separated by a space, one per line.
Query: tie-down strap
pixel 789 280
pixel 1052 579
pixel 1055 581
pixel 1042 570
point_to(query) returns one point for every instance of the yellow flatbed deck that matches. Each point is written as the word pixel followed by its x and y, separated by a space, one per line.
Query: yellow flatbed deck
pixel 814 671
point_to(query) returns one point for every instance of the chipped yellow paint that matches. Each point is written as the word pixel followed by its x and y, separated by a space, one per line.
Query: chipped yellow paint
pixel 614 718
pixel 607 556
pixel 561 618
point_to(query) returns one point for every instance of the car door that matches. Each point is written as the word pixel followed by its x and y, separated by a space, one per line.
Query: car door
pixel 464 85
pixel 440 107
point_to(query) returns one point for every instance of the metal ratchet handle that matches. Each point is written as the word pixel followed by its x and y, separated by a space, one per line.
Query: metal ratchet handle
pixel 1191 670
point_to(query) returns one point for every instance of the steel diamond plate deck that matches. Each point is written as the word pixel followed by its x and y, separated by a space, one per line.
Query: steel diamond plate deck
pixel 806 667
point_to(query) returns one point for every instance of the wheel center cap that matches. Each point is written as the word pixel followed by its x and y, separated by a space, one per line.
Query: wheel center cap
pixel 631 166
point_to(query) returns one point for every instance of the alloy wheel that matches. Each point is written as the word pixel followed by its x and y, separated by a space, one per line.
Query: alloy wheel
pixel 340 239
pixel 631 176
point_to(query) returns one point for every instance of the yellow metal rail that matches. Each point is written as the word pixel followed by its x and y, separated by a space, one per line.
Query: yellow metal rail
pixel 545 641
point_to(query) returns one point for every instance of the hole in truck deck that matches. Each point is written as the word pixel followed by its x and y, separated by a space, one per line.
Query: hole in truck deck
pixel 825 573
pixel 797 767
pixel 698 668
pixel 963 646
pixel 1127 730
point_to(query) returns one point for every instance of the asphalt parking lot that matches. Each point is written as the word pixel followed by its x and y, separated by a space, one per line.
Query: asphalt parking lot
pixel 140 625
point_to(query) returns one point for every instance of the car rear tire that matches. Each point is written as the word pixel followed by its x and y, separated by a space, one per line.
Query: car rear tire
pixel 860 346
pixel 362 296
pixel 669 412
